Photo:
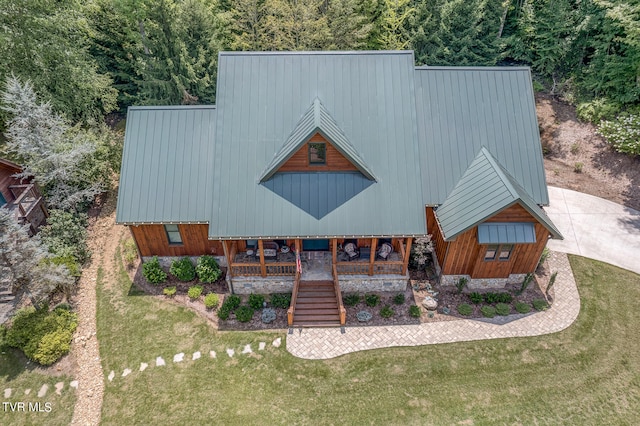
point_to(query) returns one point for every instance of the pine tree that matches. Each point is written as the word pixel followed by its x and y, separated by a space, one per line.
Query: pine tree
pixel 349 29
pixel 395 15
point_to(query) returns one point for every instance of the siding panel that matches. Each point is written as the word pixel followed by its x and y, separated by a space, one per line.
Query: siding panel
pixel 152 241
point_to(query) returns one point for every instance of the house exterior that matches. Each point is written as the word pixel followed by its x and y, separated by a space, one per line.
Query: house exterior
pixel 21 196
pixel 314 151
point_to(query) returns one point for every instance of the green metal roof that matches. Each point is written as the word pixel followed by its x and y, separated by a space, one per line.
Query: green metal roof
pixel 506 233
pixel 460 110
pixel 167 165
pixel 484 190
pixel 367 111
pixel 316 119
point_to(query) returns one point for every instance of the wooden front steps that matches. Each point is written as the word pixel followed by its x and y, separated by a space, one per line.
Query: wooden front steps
pixel 316 305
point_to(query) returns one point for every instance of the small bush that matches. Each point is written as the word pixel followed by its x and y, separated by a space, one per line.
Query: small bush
pixel 544 256
pixel 244 313
pixel 461 284
pixel 525 283
pixel 256 301
pixel 596 110
pixel 623 133
pixel 207 269
pixel 129 251
pixel 169 291
pixel 183 269
pixel 152 271
pixel 195 292
pixel 211 301
pixel 281 300
pixel 488 311
pixel 465 309
pixel 372 300
pixel 503 309
pixel 523 308
pixel 414 311
pixel 476 298
pixel 233 301
pixel 540 305
pixel 491 297
pixel 268 315
pixel 577 167
pixel 52 346
pixel 387 312
pixel 66 235
pixel 504 297
pixel 224 312
pixel 398 299
pixel 351 299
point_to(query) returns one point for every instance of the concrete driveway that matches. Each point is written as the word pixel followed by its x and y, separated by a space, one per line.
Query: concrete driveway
pixel 595 228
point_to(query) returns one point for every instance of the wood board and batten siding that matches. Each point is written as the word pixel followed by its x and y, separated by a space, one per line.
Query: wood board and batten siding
pixel 152 241
pixel 335 161
pixel 465 256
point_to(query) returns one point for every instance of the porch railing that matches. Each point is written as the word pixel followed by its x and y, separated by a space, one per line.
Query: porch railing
pixel 336 287
pixel 254 269
pixel 362 268
pixel 294 296
pixel 28 205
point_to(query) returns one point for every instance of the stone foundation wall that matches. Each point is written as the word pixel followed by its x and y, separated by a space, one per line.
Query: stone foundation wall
pixel 365 283
pixel 482 283
pixel 269 285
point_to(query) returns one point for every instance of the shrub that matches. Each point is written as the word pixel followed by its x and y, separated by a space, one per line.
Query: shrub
pixel 623 133
pixel 503 309
pixel 540 304
pixel 398 299
pixel 129 251
pixel 465 309
pixel 268 315
pixel 169 291
pixel 523 308
pixel 577 167
pixel 233 301
pixel 52 346
pixel 207 269
pixel 66 235
pixel 504 297
pixel 461 284
pixel 211 301
pixel 152 271
pixel 544 256
pixel 351 299
pixel 281 300
pixel 68 262
pixel 244 313
pixel 387 312
pixel 420 252
pixel 194 292
pixel 596 110
pixel 372 300
pixel 476 298
pixel 552 281
pixel 414 311
pixel 183 269
pixel 224 311
pixel 491 297
pixel 256 301
pixel 525 283
pixel 488 311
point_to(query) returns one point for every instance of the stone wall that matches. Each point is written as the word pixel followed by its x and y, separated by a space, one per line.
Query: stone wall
pixel 268 285
pixel 365 283
pixel 482 283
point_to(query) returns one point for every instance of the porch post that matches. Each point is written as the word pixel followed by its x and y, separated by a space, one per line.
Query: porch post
pixel 407 254
pixel 263 267
pixel 372 255
pixel 299 246
pixel 334 251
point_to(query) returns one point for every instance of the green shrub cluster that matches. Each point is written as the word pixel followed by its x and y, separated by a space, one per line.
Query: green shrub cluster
pixel 66 235
pixel 195 292
pixel 488 311
pixel 476 298
pixel 183 269
pixel 465 309
pixel 623 133
pixel 386 312
pixel 281 300
pixel 398 299
pixel 244 313
pixel 207 269
pixel 44 336
pixel 540 304
pixel 523 308
pixel 502 297
pixel 256 301
pixel 372 300
pixel 211 301
pixel 503 309
pixel 230 304
pixel 351 299
pixel 414 311
pixel 152 271
pixel 169 291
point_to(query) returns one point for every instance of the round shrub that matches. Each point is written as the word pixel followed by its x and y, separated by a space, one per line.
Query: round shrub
pixel 52 346
pixel 268 315
pixel 233 301
pixel 414 311
pixel 169 291
pixel 488 311
pixel 281 300
pixel 183 269
pixel 398 299
pixel 244 313
pixel 207 269
pixel 224 312
pixel 387 312
pixel 152 271
pixel 372 300
pixel 195 292
pixel 351 299
pixel 623 133
pixel 256 301
pixel 465 309
pixel 504 297
pixel 476 298
pixel 540 304
pixel 503 309
pixel 211 301
pixel 523 308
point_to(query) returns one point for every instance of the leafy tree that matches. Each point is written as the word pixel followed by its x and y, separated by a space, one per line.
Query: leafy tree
pixel 395 14
pixel 24 262
pixel 66 235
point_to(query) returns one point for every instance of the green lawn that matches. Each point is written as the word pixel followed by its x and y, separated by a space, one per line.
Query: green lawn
pixel 588 374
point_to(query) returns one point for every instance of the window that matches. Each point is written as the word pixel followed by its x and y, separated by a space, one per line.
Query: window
pixel 173 234
pixel 501 252
pixel 317 153
pixel 2 200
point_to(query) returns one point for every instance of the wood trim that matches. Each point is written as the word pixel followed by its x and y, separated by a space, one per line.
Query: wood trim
pixel 263 266
pixel 372 255
pixel 406 255
pixel 225 248
pixel 334 251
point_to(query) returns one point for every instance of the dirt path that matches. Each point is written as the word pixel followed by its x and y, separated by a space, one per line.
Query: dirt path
pixel 104 236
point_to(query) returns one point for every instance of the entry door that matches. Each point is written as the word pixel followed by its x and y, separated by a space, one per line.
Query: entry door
pixel 315 245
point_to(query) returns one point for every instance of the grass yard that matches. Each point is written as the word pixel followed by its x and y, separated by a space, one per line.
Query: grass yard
pixel 587 374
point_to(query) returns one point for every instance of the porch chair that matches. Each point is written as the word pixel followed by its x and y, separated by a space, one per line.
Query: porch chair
pixel 352 250
pixel 385 250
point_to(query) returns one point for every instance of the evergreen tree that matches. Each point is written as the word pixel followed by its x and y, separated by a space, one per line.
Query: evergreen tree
pixel 295 25
pixel 348 27
pixel 395 15
pixel 249 25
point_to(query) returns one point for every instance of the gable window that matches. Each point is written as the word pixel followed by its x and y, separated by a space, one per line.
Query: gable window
pixel 173 234
pixel 317 153
pixel 501 252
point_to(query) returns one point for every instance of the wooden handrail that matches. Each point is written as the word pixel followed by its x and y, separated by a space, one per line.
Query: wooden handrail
pixel 294 296
pixel 336 287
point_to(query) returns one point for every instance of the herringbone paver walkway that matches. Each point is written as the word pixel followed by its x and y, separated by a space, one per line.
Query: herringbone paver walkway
pixel 324 343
